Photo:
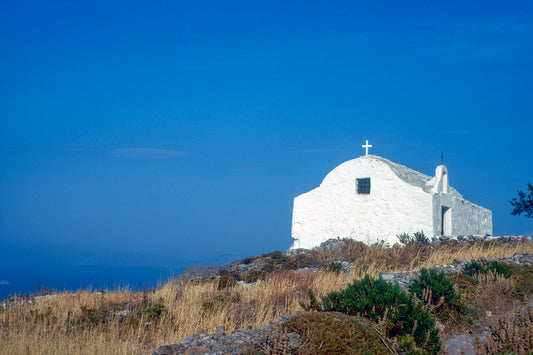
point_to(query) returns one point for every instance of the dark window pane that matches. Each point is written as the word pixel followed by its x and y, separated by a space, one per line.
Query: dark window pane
pixel 363 186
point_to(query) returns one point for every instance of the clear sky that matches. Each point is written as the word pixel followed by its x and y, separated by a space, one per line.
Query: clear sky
pixel 169 132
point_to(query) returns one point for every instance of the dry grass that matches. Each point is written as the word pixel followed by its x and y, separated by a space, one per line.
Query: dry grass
pixel 63 323
pixel 415 256
pixel 492 290
pixel 53 325
pixel 336 333
pixel 510 334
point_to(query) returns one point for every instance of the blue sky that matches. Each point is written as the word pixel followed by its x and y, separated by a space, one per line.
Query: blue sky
pixel 172 132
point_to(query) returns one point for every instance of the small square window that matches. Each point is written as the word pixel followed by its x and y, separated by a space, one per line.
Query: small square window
pixel 363 186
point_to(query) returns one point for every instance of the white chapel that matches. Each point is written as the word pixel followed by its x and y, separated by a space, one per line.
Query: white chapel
pixel 372 199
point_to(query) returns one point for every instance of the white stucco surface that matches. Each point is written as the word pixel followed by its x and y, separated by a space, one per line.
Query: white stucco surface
pixel 401 200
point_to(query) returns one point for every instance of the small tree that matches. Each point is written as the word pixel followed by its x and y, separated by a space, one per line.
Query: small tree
pixel 524 203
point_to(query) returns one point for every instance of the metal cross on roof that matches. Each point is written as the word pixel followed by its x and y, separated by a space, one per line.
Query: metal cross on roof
pixel 366 146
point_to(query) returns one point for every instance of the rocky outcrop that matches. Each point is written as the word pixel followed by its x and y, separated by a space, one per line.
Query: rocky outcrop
pixel 269 338
pixel 246 265
pixel 405 278
pixel 197 272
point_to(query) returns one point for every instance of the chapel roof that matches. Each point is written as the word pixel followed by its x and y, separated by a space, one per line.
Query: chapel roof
pixel 411 176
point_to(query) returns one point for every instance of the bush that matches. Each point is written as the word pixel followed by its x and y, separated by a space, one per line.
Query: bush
pixel 499 268
pixel 300 261
pixel 93 316
pixel 405 238
pixel 277 255
pixel 421 237
pixel 152 312
pixel 385 303
pixel 474 268
pixel 226 281
pixel 313 305
pixel 437 291
pixel 335 333
pixel 248 260
pixel 510 335
pixel 254 275
pixel 47 317
pixel 523 277
pixel 335 267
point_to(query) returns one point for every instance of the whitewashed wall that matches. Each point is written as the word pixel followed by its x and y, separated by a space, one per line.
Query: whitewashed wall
pixel 334 209
pixel 466 218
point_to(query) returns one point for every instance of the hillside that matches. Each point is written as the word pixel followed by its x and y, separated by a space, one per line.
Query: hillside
pixel 246 296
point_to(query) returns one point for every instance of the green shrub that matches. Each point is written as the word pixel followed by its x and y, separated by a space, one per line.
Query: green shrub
pixel 499 268
pixel 152 312
pixel 268 268
pixel 299 261
pixel 207 306
pixel 523 276
pixel 383 302
pixel 248 260
pixel 215 304
pixel 313 305
pixel 94 316
pixel 335 267
pixel 254 275
pixel 405 238
pixel 230 272
pixel 277 255
pixel 226 281
pixel 46 317
pixel 474 268
pixel 437 291
pixel 421 237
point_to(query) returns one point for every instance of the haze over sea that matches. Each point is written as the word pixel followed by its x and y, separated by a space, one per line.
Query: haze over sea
pixel 31 279
pixel 141 138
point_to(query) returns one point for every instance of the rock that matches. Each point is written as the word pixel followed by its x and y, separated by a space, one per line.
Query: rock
pixel 239 341
pixel 198 272
pixel 294 340
pixel 198 351
pixel 332 245
pixel 174 349
pixel 405 278
pixel 459 344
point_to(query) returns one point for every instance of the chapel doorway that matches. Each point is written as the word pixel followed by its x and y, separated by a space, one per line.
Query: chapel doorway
pixel 446 221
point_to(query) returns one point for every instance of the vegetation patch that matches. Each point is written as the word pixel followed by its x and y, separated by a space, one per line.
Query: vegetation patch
pixel 510 335
pixel 401 315
pixel 125 322
pixel 420 237
pixel 336 333
pixel 523 281
pixel 334 266
pixel 483 267
pixel 439 294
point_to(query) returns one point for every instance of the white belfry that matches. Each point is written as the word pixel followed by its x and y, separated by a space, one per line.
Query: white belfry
pixel 366 146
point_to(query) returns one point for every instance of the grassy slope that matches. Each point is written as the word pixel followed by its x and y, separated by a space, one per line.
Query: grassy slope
pixel 87 322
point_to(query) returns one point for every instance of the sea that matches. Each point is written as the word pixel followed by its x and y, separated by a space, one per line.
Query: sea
pixel 44 278
pixel 28 279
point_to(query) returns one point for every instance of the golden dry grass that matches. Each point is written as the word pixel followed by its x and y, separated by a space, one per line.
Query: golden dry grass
pixel 513 335
pixel 59 324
